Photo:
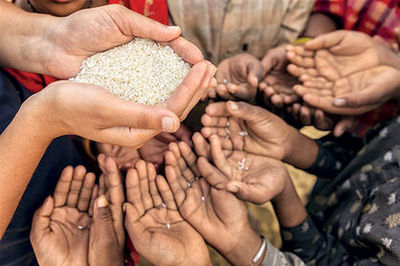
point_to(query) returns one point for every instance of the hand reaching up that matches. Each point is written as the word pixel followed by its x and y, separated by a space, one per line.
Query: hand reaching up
pixel 154 224
pixel 212 212
pixel 238 78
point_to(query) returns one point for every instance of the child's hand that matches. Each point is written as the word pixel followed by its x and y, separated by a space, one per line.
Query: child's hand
pixel 153 222
pixel 277 85
pixel 212 212
pixel 238 77
pixel 346 73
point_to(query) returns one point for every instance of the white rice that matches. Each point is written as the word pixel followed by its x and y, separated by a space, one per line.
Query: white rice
pixel 140 71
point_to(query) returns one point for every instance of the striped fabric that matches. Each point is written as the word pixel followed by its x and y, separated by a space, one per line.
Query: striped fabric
pixel 222 28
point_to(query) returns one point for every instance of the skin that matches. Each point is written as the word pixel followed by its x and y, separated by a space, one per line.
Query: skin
pixel 267 135
pixel 75 204
pixel 146 221
pixel 335 66
pixel 63 107
pixel 152 151
pixel 238 78
pixel 220 214
pixel 277 84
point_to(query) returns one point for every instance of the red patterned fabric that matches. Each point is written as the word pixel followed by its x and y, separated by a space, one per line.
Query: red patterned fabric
pixel 154 9
pixel 373 17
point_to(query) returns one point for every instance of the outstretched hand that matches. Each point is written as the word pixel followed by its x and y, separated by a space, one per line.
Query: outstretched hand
pixel 238 78
pixel 212 212
pixel 156 228
pixel 62 224
pixel 346 73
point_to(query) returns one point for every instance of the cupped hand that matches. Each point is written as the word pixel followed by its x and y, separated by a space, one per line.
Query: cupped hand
pixel 105 27
pixel 277 85
pixel 238 77
pixel 66 107
pixel 212 212
pixel 244 127
pixel 60 227
pixel 156 228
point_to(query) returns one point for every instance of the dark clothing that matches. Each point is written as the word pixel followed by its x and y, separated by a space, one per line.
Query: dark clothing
pixel 354 219
pixel 15 247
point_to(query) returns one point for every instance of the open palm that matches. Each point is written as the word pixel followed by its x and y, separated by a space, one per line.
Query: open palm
pixel 60 228
pixel 154 224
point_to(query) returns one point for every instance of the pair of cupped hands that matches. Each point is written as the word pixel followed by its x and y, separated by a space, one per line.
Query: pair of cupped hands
pixel 325 82
pixel 170 219
pixel 66 107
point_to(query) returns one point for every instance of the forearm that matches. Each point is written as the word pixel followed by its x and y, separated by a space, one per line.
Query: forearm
pixel 300 151
pixel 23 44
pixel 22 145
pixel 288 207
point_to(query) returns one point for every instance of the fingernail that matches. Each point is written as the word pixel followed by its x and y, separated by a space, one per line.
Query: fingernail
pixel 339 102
pixel 233 189
pixel 234 106
pixel 102 202
pixel 168 124
pixel 124 208
pixel 174 28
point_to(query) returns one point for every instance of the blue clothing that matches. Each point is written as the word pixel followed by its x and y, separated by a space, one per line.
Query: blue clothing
pixel 15 247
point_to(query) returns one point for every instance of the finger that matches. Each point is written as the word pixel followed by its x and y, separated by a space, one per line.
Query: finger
pixel 184 93
pixel 103 225
pixel 214 121
pixel 102 185
pixel 301 61
pixel 371 95
pixel 277 100
pixel 177 190
pixel 216 152
pixel 190 157
pixel 172 159
pixel 41 218
pixel 155 195
pixel 305 115
pixel 113 183
pixel 222 91
pixel 101 159
pixel 133 193
pixel 76 184
pixel 141 169
pixel 343 125
pixel 86 192
pixel 213 176
pixel 243 91
pixel 255 71
pixel 166 193
pixel 247 111
pixel 150 29
pixel 326 41
pixel 64 183
pixel 95 194
pixel 201 146
pixel 187 50
pixel 220 131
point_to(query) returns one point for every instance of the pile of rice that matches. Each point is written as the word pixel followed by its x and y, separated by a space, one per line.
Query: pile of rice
pixel 140 71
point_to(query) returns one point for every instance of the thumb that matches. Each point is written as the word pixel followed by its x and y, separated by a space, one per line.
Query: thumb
pixel 102 217
pixel 343 125
pixel 372 95
pixel 246 111
pixel 255 73
pixel 41 219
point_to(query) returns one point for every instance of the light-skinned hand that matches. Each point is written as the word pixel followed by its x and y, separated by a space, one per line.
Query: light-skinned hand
pixel 156 228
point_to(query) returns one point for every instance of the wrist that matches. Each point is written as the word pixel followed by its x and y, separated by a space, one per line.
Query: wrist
pixel 288 207
pixel 299 150
pixel 245 249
